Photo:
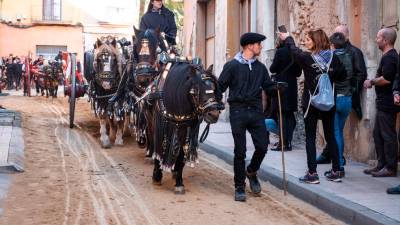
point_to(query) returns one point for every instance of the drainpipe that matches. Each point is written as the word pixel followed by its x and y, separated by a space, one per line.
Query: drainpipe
pixel 253 26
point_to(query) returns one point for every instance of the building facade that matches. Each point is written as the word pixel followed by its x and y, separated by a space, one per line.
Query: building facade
pixel 212 30
pixel 48 26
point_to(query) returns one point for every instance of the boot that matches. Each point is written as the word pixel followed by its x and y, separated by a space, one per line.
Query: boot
pixel 324 157
pixel 240 194
pixel 255 185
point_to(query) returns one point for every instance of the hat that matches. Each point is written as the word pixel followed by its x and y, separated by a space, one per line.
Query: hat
pixel 251 38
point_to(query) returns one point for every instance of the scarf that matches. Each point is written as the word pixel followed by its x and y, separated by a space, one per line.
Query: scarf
pixel 240 59
pixel 323 58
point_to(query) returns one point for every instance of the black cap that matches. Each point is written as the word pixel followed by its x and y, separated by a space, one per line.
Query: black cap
pixel 251 38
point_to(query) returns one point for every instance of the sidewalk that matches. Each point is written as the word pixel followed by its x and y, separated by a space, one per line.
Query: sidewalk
pixel 359 199
pixel 11 149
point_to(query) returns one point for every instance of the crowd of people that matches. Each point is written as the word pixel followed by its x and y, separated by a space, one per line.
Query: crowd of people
pixel 12 69
pixel 333 68
pixel 13 72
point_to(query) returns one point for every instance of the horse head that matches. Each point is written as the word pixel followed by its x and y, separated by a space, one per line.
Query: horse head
pixel 147 45
pixel 203 94
pixel 107 63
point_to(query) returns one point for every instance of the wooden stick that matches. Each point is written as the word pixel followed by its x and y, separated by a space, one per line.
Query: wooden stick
pixel 282 145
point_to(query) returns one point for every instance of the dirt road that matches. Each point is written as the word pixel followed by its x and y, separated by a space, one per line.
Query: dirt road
pixel 70 179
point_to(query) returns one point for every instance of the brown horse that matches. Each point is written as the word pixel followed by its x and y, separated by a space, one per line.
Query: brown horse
pixel 107 66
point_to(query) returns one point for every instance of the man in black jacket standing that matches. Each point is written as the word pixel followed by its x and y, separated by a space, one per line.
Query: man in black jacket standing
pixel 384 133
pixel 246 77
pixel 158 16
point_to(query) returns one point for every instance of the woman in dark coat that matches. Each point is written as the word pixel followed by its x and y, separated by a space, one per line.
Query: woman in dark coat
pixel 286 71
pixel 319 56
pixel 158 16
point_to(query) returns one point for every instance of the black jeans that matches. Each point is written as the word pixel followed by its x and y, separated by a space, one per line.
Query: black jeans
pixel 289 124
pixel 311 129
pixel 385 139
pixel 252 120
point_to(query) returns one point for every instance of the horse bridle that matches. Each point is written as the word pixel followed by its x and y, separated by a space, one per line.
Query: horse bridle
pixel 200 108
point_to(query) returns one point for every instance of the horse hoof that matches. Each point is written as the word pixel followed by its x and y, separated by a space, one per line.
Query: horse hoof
pixel 106 144
pixel 180 190
pixel 119 142
pixel 156 181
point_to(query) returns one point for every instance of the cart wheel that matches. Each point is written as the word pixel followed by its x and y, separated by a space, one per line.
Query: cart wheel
pixel 72 98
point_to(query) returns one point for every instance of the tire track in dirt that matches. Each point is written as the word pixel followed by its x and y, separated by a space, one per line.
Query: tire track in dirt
pixel 107 189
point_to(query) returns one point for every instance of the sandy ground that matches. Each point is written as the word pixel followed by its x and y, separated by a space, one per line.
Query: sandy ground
pixel 70 179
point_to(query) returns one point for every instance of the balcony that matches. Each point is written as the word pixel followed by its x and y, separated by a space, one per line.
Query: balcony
pixel 50 17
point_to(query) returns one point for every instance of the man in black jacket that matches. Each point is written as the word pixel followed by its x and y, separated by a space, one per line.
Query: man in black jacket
pixel 158 16
pixel 246 77
pixel 384 133
pixel 359 68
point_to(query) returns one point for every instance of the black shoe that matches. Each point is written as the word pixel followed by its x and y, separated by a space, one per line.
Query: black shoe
pixel 310 178
pixel 240 194
pixel 394 190
pixel 333 176
pixel 370 170
pixel 341 173
pixel 255 186
pixel 323 160
pixel 278 148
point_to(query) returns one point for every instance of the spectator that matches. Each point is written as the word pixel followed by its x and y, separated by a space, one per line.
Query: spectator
pixel 18 73
pixel 314 63
pixel 359 74
pixel 10 71
pixel 344 92
pixel 384 132
pixel 286 71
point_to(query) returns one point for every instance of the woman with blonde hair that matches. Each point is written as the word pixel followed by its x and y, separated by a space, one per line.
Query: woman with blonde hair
pixel 317 60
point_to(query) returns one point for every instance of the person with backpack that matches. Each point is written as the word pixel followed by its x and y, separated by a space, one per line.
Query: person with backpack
pixel 359 76
pixel 384 132
pixel 344 91
pixel 286 71
pixel 321 69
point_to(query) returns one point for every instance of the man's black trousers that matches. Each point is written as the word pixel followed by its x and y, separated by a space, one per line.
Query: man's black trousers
pixel 252 120
pixel 385 139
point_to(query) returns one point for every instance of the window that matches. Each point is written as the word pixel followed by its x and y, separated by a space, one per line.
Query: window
pixel 49 51
pixel 210 32
pixel 245 15
pixel 51 10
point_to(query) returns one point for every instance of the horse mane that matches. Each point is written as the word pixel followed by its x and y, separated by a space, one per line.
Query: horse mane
pixel 176 96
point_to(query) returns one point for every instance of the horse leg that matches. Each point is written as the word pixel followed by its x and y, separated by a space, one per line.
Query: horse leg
pixel 157 172
pixel 118 138
pixel 105 140
pixel 113 129
pixel 125 130
pixel 179 164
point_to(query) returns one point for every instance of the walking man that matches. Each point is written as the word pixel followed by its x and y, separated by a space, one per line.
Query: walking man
pixel 384 133
pixel 245 77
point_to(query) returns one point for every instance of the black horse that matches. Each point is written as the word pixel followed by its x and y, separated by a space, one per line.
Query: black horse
pixel 187 97
pixel 147 46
